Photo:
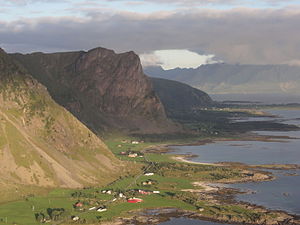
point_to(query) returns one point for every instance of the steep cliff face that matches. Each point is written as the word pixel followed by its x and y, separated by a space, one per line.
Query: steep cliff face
pixel 43 144
pixel 105 90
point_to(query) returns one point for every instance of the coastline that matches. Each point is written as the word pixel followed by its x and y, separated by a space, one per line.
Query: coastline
pixel 194 183
pixel 185 159
pixel 209 188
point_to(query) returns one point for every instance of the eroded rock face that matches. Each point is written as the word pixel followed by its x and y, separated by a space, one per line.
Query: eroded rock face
pixel 105 90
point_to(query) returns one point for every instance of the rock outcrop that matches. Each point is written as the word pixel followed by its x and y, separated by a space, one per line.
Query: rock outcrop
pixel 104 90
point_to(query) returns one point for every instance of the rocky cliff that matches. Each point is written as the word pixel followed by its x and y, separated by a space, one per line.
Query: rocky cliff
pixel 105 90
pixel 43 144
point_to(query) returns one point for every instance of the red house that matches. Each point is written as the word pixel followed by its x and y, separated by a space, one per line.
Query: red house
pixel 78 204
pixel 145 192
pixel 134 200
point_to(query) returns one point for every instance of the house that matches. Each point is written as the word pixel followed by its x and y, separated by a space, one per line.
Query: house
pixel 119 146
pixel 121 195
pixel 134 142
pixel 156 192
pixel 149 174
pixel 92 208
pixel 78 204
pixel 109 192
pixel 134 200
pixel 143 192
pixel 102 209
pixel 75 218
pixel 146 183
pixel 132 155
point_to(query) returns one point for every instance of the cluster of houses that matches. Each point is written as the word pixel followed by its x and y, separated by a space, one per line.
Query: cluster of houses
pixel 146 192
pixel 134 142
pixel 132 154
pixel 79 205
pixel 149 182
pixel 140 191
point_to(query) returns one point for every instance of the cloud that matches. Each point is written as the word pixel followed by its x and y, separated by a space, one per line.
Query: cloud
pixel 179 3
pixel 25 2
pixel 176 58
pixel 150 59
pixel 188 3
pixel 241 35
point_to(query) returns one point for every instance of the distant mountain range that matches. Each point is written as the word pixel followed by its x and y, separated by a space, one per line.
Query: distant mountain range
pixel 224 78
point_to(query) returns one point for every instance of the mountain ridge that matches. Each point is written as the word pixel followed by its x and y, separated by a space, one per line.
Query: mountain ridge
pixel 105 90
pixel 41 143
pixel 222 78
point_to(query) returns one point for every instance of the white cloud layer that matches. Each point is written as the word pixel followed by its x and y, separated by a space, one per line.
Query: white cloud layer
pixel 181 58
pixel 241 35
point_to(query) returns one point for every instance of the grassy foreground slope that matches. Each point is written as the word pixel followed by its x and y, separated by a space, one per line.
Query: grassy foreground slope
pixel 41 143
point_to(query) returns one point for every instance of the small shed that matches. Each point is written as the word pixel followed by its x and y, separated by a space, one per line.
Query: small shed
pixel 101 209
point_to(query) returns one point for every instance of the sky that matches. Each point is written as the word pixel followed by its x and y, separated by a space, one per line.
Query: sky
pixel 170 33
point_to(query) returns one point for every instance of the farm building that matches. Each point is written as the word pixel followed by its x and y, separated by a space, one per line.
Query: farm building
pixel 149 174
pixel 143 192
pixel 134 200
pixel 102 209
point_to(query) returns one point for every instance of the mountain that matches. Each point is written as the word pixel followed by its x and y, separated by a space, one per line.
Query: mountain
pixel 236 79
pixel 179 98
pixel 43 144
pixel 104 90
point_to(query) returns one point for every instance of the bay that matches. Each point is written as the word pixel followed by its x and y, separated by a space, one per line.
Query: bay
pixel 282 193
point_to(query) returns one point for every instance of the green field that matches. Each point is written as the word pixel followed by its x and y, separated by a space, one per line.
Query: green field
pixel 170 179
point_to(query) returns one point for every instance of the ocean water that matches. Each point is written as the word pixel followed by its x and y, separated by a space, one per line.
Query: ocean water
pixel 282 193
pixel 186 221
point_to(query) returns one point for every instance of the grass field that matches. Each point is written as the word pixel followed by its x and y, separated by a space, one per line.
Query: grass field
pixel 170 178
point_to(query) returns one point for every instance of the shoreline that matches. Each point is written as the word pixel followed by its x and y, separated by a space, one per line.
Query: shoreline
pixel 213 193
pixel 209 188
pixel 184 158
pixel 249 136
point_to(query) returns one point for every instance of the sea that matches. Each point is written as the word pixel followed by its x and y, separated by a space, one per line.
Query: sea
pixel 283 193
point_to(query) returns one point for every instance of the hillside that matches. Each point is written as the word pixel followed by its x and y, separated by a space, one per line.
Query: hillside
pixel 43 144
pixel 236 79
pixel 179 98
pixel 106 91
